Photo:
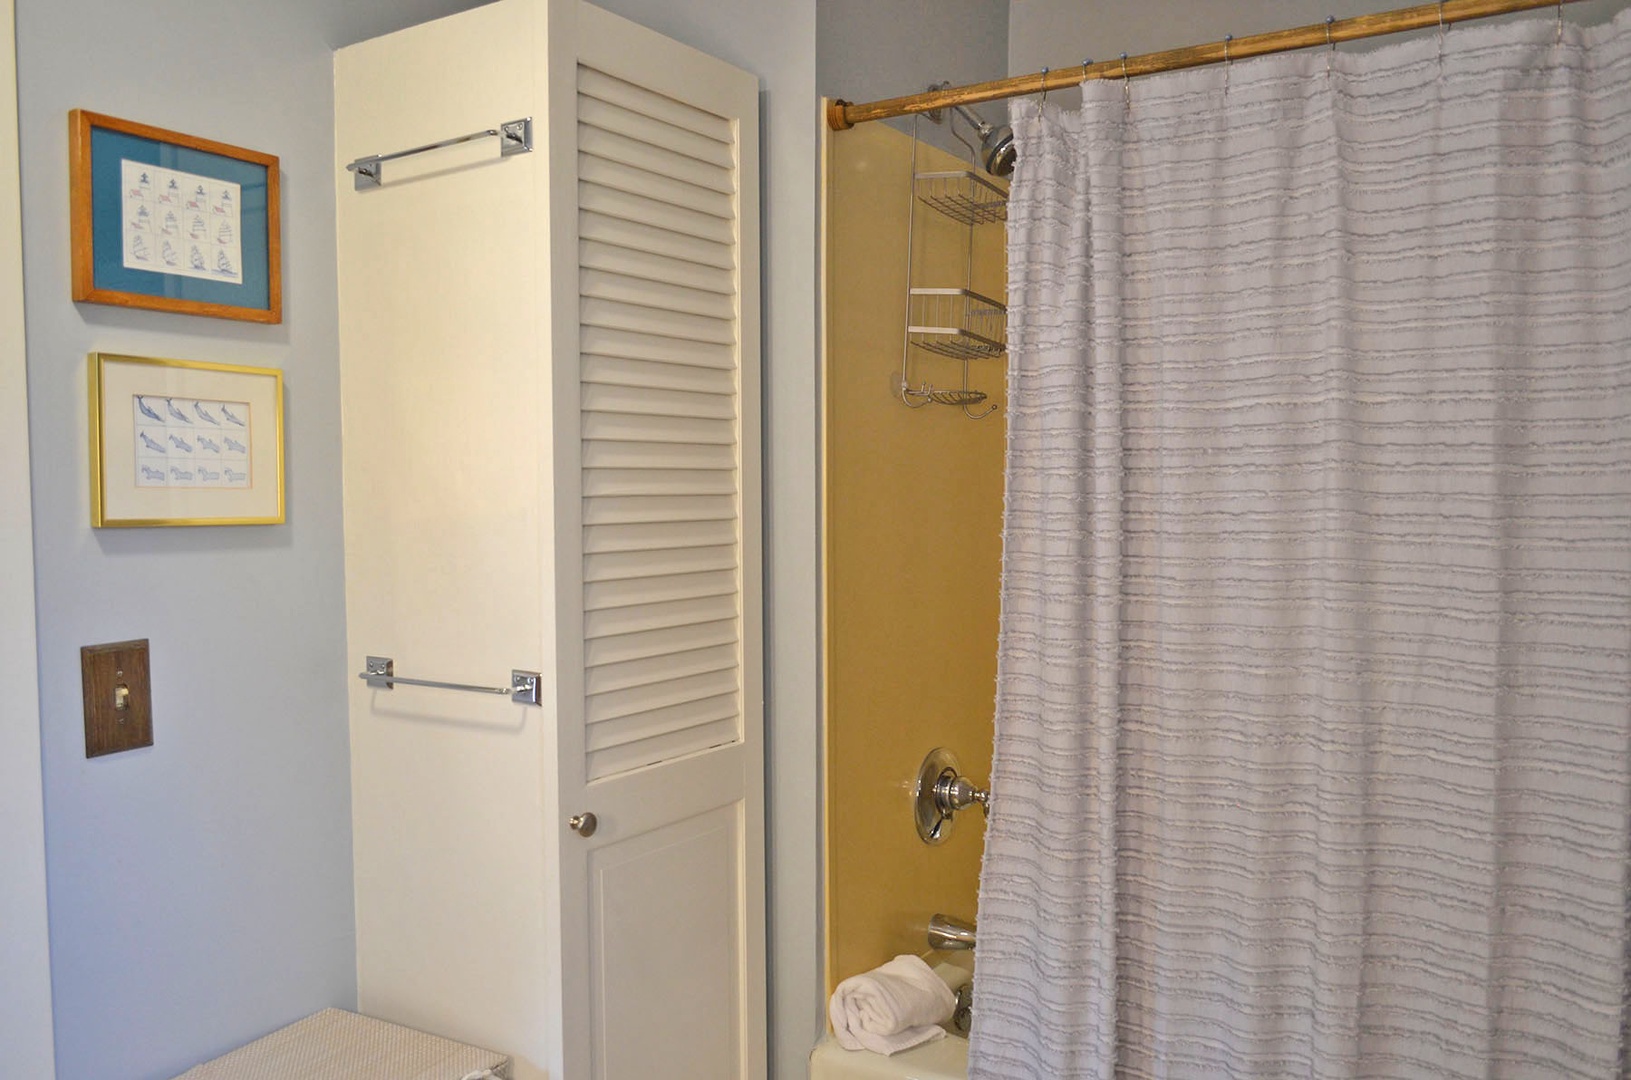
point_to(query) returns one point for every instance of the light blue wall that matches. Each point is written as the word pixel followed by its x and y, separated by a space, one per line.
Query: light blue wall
pixel 872 49
pixel 200 891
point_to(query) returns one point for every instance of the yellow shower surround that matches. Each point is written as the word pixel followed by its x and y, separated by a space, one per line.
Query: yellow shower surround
pixel 913 534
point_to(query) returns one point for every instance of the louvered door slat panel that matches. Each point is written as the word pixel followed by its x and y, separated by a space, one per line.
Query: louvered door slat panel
pixel 677 429
pixel 627 206
pixel 643 320
pixel 637 592
pixel 609 229
pixel 658 482
pixel 647 293
pixel 656 456
pixel 689 740
pixel 616 703
pixel 622 565
pixel 659 314
pixel 628 729
pixel 634 645
pixel 611 146
pixel 609 117
pixel 658 509
pixel 622 371
pixel 595 255
pixel 657 401
pixel 657 669
pixel 617 176
pixel 626 345
pixel 619 427
pixel 615 621
pixel 643 537
pixel 599 88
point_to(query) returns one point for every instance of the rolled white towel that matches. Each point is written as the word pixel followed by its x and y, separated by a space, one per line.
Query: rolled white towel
pixel 891 1008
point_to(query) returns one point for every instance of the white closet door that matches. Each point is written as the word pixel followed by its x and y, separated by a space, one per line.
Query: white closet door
pixel 663 905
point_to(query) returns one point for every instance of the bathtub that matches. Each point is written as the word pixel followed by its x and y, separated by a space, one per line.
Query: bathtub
pixel 943 1059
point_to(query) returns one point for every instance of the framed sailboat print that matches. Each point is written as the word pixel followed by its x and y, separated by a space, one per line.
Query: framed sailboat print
pixel 172 222
pixel 182 442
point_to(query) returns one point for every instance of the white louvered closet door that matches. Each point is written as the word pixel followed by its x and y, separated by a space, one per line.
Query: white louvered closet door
pixel 663 904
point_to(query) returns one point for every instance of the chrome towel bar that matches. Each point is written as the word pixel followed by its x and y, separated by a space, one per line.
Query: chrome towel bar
pixel 514 137
pixel 526 687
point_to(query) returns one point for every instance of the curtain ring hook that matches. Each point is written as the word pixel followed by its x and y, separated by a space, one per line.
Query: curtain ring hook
pixel 1329 19
pixel 1126 83
pixel 1086 60
pixel 1044 100
pixel 1228 61
pixel 1441 29
pixel 1559 39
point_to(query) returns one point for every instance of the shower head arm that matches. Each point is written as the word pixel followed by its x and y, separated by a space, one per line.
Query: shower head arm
pixel 973 121
pixel 996 150
pixel 981 128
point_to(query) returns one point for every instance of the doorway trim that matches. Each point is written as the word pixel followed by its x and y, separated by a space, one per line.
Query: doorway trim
pixel 25 992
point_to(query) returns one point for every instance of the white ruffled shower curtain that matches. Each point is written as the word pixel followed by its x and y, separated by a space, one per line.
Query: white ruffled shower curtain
pixel 1313 743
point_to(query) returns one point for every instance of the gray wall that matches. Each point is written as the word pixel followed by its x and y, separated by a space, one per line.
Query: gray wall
pixel 777 40
pixel 871 49
pixel 1059 33
pixel 200 890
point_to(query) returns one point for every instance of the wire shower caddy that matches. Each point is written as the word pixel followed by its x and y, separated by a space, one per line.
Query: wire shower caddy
pixel 957 323
pixel 962 195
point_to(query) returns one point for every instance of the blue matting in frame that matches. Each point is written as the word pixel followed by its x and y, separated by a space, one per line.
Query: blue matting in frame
pixel 108 148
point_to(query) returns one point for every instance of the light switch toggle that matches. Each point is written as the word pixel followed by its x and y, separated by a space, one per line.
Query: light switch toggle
pixel 121 698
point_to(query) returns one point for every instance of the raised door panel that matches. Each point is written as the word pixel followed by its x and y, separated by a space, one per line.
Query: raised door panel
pixel 665 911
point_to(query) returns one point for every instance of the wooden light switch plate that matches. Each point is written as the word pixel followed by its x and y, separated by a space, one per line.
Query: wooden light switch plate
pixel 118 700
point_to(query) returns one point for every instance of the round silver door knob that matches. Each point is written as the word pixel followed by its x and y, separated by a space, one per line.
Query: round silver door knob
pixel 583 824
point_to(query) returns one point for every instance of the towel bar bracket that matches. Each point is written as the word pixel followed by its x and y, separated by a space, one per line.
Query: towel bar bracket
pixel 526 687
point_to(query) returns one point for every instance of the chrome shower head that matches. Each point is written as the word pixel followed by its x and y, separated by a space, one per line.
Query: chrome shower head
pixel 996 151
pixel 999 152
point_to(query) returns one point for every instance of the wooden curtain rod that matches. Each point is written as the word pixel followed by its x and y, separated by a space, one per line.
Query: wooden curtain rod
pixel 843 114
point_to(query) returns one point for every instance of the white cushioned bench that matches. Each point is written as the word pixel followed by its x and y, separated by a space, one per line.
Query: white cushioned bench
pixel 339 1045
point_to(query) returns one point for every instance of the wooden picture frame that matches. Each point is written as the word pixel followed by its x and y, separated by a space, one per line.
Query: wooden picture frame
pixel 182 442
pixel 172 222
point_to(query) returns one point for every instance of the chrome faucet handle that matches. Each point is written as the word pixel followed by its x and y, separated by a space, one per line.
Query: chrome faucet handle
pixel 939 793
pixel 962 1015
pixel 953 793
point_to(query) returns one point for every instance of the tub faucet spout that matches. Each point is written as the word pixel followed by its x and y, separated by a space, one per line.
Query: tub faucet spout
pixel 946 932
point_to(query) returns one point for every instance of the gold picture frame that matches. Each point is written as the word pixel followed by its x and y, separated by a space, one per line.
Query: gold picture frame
pixel 183 442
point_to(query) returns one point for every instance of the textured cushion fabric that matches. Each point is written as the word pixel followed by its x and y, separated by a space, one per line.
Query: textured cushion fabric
pixel 339 1045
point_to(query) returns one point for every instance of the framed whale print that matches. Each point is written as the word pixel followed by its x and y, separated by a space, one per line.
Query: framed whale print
pixel 171 222
pixel 179 442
